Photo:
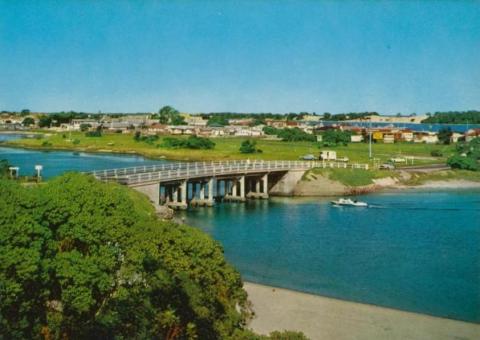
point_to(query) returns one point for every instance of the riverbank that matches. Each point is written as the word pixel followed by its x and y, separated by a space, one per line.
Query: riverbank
pixel 326 318
pixel 229 148
pixel 337 182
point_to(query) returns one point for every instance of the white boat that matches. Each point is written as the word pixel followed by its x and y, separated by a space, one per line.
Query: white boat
pixel 349 202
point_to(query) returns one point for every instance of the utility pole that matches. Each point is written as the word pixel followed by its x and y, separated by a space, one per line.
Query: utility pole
pixel 370 141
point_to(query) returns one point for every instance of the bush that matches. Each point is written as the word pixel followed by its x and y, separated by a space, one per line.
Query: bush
pixel 76 141
pixel 96 133
pixel 463 162
pixel 436 153
pixel 46 143
pixel 249 146
pixel 192 142
pixel 335 137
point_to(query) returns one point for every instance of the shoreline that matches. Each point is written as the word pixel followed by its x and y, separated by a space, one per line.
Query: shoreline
pixel 378 186
pixel 322 317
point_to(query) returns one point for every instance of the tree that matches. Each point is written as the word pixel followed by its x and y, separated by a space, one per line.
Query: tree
pixel 249 146
pixel 168 114
pixel 4 168
pixel 463 162
pixel 334 137
pixel 44 121
pixel 28 121
pixel 85 126
pixel 25 112
pixel 444 135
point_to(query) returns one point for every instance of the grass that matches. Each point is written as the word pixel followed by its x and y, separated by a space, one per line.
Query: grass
pixel 421 178
pixel 228 148
pixel 350 177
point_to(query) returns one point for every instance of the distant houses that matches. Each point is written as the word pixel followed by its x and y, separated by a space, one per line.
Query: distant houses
pixel 247 127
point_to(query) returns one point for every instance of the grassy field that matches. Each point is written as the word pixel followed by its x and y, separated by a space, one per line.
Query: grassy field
pixel 228 148
pixel 352 177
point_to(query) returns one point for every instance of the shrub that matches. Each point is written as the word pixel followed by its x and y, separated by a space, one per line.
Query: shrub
pixel 96 133
pixel 192 142
pixel 249 146
pixel 463 162
pixel 335 137
pixel 46 143
pixel 436 153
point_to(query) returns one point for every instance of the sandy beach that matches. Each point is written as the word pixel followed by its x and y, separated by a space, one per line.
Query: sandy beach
pixel 326 318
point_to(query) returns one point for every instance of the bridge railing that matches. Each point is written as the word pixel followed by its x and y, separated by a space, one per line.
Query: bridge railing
pixel 177 171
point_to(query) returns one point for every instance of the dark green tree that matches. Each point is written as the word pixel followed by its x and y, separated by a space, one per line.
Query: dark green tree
pixel 28 121
pixel 248 146
pixel 444 135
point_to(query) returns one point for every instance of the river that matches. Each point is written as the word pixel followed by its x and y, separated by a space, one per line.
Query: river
pixel 412 250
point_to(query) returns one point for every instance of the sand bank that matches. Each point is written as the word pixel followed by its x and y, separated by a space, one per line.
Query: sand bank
pixel 325 318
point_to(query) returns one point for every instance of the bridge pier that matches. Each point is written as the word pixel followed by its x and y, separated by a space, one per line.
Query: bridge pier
pixel 260 188
pixel 238 184
pixel 203 200
pixel 176 195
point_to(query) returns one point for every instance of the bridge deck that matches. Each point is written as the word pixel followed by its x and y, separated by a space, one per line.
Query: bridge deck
pixel 185 170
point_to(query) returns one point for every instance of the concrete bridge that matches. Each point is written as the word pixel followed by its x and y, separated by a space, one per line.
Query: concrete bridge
pixel 179 184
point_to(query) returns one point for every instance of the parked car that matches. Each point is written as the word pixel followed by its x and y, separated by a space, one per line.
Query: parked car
pixel 308 157
pixel 387 166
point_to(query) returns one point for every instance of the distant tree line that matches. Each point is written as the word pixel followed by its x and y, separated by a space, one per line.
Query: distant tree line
pixel 454 117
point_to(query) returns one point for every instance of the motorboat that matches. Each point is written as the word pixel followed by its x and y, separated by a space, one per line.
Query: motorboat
pixel 349 203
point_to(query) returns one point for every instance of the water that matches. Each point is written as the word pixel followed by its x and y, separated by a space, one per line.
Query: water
pixel 461 128
pixel 58 162
pixel 416 251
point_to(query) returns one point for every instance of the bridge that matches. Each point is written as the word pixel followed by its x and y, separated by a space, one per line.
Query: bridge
pixel 179 184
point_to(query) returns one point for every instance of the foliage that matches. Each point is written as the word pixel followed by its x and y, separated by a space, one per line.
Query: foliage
pixel 348 116
pixel 4 165
pixel 76 141
pixel 333 137
pixel 168 115
pixel 436 153
pixel 463 162
pixel 290 135
pixel 249 146
pixel 444 135
pixel 83 259
pixel 454 117
pixel 46 143
pixel 28 121
pixel 147 139
pixel 84 127
pixel 96 133
pixel 192 142
pixel 44 121
pixel 217 121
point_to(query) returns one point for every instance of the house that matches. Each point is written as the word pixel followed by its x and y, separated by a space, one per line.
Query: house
pixel 471 134
pixel 426 137
pixel 389 138
pixel 279 124
pixel 407 135
pixel 196 121
pixel 158 128
pixel 240 122
pixel 356 138
pixel 455 137
pixel 328 155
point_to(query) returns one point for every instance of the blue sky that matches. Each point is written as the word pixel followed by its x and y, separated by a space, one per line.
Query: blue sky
pixel 243 56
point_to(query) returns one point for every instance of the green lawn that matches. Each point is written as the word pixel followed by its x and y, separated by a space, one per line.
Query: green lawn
pixel 228 148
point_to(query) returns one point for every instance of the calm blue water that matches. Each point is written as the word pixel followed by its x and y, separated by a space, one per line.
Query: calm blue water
pixel 416 251
pixel 57 162
pixel 461 128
